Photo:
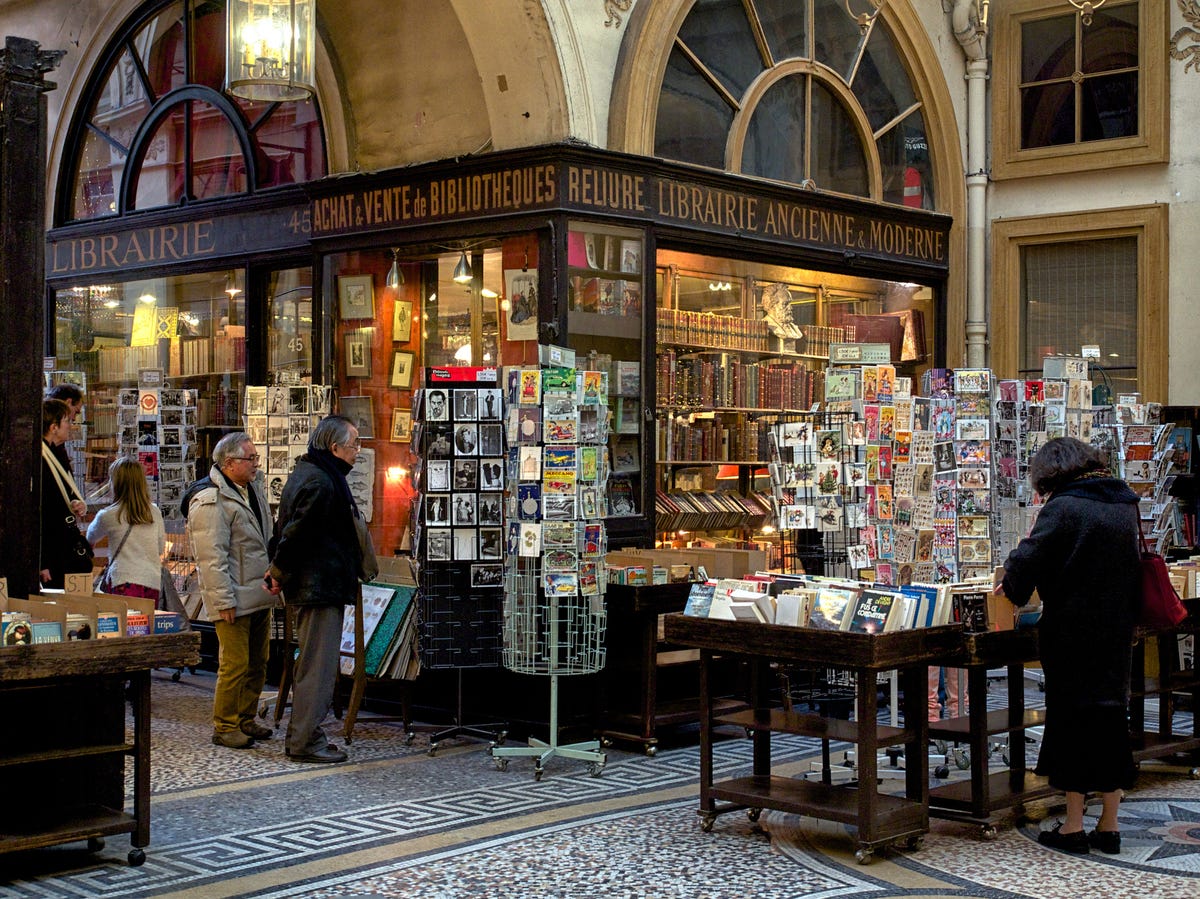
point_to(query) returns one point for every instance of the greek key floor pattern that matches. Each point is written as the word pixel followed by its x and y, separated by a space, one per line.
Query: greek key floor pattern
pixel 395 822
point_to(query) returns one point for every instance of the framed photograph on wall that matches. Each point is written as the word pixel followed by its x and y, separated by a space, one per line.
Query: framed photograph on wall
pixel 358 410
pixel 402 369
pixel 356 296
pixel 402 321
pixel 401 426
pixel 358 355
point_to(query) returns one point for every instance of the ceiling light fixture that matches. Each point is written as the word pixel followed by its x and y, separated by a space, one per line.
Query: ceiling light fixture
pixel 462 271
pixel 1086 8
pixel 395 277
pixel 271 49
pixel 231 287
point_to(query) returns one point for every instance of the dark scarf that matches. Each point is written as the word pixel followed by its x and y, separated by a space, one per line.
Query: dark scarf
pixel 337 469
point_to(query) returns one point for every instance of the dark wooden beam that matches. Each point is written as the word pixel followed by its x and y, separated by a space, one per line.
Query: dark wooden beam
pixel 23 85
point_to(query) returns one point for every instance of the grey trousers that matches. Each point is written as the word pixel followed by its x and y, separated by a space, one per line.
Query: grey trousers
pixel 319 632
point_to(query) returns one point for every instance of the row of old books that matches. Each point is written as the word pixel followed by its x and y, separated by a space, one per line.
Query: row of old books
pixel 717 380
pixel 61 617
pixel 851 606
pixel 709 511
pixel 708 330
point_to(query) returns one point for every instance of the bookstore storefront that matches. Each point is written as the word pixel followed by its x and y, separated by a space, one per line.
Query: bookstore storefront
pixel 711 299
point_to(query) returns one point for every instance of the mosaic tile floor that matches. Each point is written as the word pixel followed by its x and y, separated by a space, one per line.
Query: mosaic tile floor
pixel 395 822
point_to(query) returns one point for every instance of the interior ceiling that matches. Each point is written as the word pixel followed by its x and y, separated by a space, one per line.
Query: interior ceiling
pixel 430 79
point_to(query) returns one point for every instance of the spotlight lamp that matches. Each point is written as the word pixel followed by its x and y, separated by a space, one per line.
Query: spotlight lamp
pixel 462 271
pixel 395 277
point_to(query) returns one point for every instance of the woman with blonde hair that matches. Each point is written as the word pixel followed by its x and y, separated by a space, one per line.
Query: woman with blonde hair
pixel 134 528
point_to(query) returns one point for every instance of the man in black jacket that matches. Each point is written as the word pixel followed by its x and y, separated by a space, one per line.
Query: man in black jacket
pixel 317 561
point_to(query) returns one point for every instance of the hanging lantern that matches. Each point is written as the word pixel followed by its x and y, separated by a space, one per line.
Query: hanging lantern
pixel 270 46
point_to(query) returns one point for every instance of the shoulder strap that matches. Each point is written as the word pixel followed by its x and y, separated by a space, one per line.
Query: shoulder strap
pixel 113 557
pixel 60 475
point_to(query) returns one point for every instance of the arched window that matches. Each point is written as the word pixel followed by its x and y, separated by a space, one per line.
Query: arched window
pixel 795 91
pixel 154 128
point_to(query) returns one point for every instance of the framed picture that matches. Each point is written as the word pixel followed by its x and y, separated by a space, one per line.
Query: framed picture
pixel 401 426
pixel 402 369
pixel 356 296
pixel 358 410
pixel 358 355
pixel 402 321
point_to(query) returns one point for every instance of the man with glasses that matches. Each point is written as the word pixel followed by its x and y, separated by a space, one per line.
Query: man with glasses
pixel 229 522
pixel 317 559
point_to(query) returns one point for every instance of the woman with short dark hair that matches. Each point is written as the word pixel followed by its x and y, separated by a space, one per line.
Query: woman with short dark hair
pixel 1082 557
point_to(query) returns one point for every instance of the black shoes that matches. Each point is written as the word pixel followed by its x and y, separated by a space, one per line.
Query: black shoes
pixel 1107 841
pixel 257 731
pixel 232 739
pixel 326 755
pixel 1064 842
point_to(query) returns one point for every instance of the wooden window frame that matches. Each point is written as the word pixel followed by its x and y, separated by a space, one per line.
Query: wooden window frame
pixel 1148 224
pixel 1150 145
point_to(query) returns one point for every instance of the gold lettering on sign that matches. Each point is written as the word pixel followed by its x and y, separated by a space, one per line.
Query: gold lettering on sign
pixel 165 243
pixel 487 193
pixel 604 189
pixel 708 206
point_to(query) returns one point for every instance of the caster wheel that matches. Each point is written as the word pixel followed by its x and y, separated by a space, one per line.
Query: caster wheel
pixel 753 814
pixel 501 764
pixel 988 832
pixel 749 733
pixel 595 768
pixel 95 844
pixel 538 772
pixel 136 858
pixel 651 751
pixel 501 737
pixel 706 824
pixel 940 746
pixel 606 742
pixel 912 844
pixel 176 676
pixel 864 856
pixel 962 759
pixel 941 772
pixel 1194 774
pixel 409 737
pixel 433 749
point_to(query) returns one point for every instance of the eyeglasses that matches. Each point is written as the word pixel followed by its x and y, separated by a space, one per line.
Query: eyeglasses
pixel 356 443
pixel 253 458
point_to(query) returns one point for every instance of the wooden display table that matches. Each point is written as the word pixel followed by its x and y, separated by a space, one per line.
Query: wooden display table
pixel 880 818
pixel 648 683
pixel 985 793
pixel 65 744
pixel 1172 680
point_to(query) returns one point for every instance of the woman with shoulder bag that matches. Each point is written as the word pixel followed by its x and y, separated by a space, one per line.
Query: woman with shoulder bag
pixel 63 546
pixel 134 528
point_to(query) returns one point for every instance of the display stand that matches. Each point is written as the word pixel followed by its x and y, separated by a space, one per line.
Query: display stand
pixel 554 578
pixel 1171 751
pixel 458 534
pixel 65 763
pixel 553 636
pixel 977 799
pixel 358 685
pixel 880 818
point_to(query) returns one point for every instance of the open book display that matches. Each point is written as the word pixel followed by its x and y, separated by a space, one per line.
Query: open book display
pixel 835 604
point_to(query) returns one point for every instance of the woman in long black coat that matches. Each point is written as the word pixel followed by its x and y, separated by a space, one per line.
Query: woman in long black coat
pixel 1082 557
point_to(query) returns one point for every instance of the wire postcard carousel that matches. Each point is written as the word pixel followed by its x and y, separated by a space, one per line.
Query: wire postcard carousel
pixel 554 581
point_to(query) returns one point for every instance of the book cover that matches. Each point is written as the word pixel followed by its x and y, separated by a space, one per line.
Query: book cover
pixel 830 608
pixel 871 612
pixel 386 627
pixel 971 608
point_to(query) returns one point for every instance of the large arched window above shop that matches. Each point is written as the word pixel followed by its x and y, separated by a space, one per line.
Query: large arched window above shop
pixel 795 91
pixel 154 130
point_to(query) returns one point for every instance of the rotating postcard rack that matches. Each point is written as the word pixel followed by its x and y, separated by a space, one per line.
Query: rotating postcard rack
pixel 458 529
pixel 554 576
